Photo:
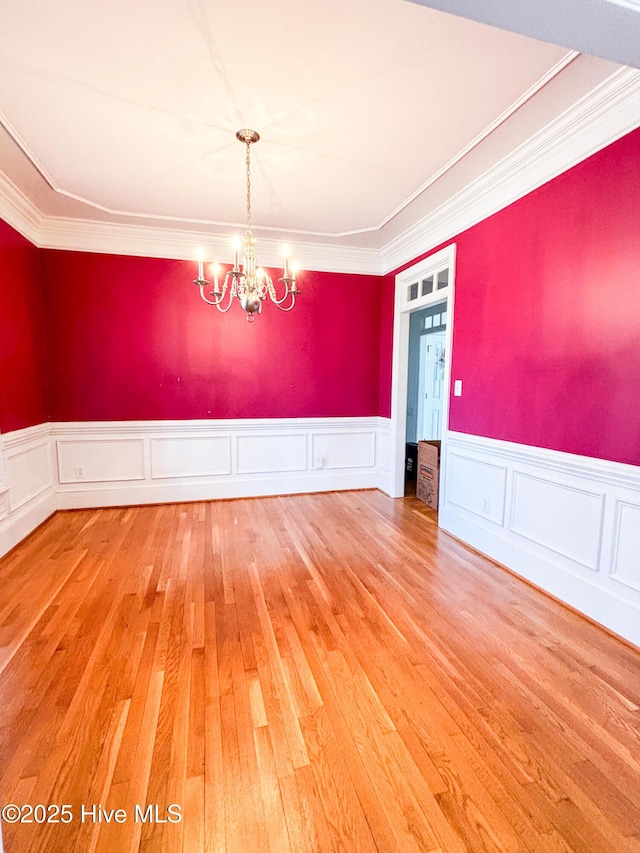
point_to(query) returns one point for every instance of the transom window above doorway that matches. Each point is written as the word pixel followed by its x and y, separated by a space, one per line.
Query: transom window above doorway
pixel 423 287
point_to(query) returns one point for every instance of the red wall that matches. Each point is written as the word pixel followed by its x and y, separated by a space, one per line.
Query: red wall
pixel 547 314
pixel 546 340
pixel 23 363
pixel 130 339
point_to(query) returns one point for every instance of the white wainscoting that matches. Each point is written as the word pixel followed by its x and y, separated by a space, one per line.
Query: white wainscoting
pixel 569 524
pixel 27 495
pixel 74 465
pixel 119 463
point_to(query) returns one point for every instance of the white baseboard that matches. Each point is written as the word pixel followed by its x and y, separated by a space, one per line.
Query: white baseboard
pixel 153 493
pixel 568 524
pixel 17 526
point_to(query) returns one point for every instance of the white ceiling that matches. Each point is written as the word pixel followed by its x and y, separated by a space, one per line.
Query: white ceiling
pixel 370 111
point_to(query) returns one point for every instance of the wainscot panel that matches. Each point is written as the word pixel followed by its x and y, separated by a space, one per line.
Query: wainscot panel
pixel 27 494
pixel 271 454
pixel 625 565
pixel 571 525
pixel 100 460
pixel 120 463
pixel 331 450
pixel 564 519
pixel 199 456
pixel 477 487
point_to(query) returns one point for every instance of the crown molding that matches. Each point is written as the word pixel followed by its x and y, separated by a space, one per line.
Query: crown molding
pixel 566 60
pixel 322 236
pixel 150 242
pixel 607 113
pixel 19 211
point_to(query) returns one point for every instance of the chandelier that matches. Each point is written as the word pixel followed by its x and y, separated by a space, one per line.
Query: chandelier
pixel 249 284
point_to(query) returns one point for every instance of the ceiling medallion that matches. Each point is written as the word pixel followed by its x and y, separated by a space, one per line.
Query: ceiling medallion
pixel 249 284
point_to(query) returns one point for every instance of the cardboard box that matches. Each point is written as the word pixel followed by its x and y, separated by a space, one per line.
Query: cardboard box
pixel 427 486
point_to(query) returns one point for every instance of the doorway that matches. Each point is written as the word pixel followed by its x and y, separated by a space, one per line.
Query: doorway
pixel 423 293
pixel 425 383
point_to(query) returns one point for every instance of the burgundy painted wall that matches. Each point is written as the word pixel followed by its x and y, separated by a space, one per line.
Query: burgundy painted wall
pixel 547 330
pixel 130 339
pixel 23 365
pixel 547 314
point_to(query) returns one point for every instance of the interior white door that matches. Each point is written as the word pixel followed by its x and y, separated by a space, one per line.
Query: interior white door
pixel 431 385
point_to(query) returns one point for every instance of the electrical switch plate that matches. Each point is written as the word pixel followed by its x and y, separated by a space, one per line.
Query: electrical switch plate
pixel 457 388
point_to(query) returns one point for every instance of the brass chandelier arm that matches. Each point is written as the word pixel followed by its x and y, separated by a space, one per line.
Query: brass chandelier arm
pixel 217 300
pixel 293 302
pixel 273 294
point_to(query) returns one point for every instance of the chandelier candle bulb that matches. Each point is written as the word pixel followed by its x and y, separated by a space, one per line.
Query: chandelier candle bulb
pixel 285 252
pixel 236 254
pixel 216 270
pixel 294 287
pixel 200 263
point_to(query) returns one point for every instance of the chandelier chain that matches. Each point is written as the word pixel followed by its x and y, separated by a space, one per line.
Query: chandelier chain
pixel 248 185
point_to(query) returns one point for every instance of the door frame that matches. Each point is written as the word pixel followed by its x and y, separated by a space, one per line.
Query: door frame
pixel 403 307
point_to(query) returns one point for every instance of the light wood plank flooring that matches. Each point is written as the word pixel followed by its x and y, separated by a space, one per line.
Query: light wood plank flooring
pixel 313 673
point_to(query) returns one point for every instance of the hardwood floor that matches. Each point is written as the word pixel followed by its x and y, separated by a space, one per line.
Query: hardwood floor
pixel 313 673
